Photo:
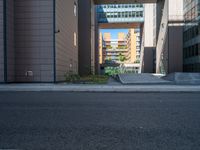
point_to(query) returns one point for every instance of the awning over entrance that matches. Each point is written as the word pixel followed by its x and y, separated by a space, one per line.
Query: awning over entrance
pixel 123 1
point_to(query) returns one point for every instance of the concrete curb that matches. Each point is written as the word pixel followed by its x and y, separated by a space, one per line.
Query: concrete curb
pixel 100 88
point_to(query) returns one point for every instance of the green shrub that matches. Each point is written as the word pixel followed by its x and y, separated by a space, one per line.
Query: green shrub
pixel 110 71
pixel 94 79
pixel 72 78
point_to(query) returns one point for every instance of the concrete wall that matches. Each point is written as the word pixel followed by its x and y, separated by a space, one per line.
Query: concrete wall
pixel 148 55
pixel 149 25
pixel 66 38
pixel 34 32
pixel 1 43
pixel 159 8
pixel 84 38
pixel 169 58
pixel 176 10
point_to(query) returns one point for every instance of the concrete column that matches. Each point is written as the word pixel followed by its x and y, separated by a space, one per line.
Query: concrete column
pixel 162 28
pixel 175 36
pixel 170 36
pixel 148 41
pixel 93 36
pixel 84 37
pixel 2 40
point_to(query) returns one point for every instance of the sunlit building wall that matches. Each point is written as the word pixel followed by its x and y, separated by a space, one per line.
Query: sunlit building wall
pixel 131 46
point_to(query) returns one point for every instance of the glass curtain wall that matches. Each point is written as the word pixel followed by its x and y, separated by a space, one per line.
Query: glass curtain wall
pixel 191 51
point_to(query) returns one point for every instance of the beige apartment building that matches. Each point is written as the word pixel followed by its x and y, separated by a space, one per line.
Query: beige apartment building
pixel 102 49
pixel 125 45
pixel 131 46
pixel 113 48
pixel 121 37
pixel 107 37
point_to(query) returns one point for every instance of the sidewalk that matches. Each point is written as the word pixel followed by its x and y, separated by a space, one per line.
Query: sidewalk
pixel 98 88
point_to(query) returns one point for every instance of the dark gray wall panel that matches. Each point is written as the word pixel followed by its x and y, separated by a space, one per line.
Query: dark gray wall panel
pixel 10 41
pixel 34 40
pixel 149 59
pixel 1 43
pixel 84 26
pixel 175 48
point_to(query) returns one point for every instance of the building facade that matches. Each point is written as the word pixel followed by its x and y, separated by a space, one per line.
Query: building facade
pixel 115 49
pixel 162 37
pixel 191 51
pixel 123 50
pixel 148 39
pixel 133 46
pixel 38 43
pixel 102 49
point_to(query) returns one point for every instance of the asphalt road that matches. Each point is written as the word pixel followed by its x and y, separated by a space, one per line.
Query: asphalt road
pixel 99 121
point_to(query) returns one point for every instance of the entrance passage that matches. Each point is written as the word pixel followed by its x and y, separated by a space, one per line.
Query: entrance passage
pixel 120 37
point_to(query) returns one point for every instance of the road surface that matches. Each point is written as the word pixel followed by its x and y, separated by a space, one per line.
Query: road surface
pixel 99 121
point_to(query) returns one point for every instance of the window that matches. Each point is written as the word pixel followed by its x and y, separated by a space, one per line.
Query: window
pixel 115 15
pixel 137 14
pixel 119 14
pixel 75 9
pixel 130 14
pixel 123 14
pixel 126 14
pixel 133 14
pixel 75 39
pixel 141 14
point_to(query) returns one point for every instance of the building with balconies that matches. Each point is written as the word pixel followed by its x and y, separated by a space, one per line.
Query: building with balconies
pixel 133 46
pixel 115 48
